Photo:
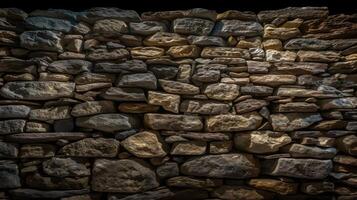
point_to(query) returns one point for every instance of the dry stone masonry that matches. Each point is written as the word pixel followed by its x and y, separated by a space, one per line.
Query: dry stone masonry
pixel 188 104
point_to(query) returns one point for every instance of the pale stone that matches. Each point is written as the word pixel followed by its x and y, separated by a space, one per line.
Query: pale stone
pixel 222 91
pixel 169 102
pixel 226 123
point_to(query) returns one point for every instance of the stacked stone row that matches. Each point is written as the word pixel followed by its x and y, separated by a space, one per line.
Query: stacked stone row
pixel 188 104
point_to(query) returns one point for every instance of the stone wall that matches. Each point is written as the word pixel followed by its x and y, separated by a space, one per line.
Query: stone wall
pixel 108 104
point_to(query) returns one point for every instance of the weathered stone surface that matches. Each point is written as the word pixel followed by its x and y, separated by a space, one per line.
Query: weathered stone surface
pixel 192 26
pixel 293 12
pixel 298 168
pixel 15 65
pixel 167 170
pixel 315 188
pixel 41 40
pixel 225 28
pixel 302 92
pixel 43 194
pixel 206 76
pixel 293 121
pixel 206 40
pixel 307 44
pixel 37 151
pixel 273 80
pixel 8 150
pixel 188 148
pixel 297 107
pixel 299 68
pixel 161 193
pixel 92 108
pixel 225 123
pixel 146 52
pixel 347 144
pixel 191 13
pixel 190 182
pixel 222 91
pixel 137 108
pixel 128 66
pixel 222 166
pixel 145 145
pixel 273 185
pixel 338 103
pixel 173 122
pixel 46 137
pixel 124 94
pixel 237 192
pixel 12 126
pixel 139 80
pixel 37 90
pixel 127 176
pixel 280 33
pixel 169 102
pixel 280 56
pixel 345 159
pixel 185 51
pixel 91 147
pixel 110 27
pixel 301 151
pixel 225 52
pixel 249 105
pixel 52 113
pixel 64 167
pixel 256 90
pixel 107 122
pixel 147 27
pixel 261 141
pixel 165 39
pixel 52 183
pixel 73 66
pixel 104 54
pixel 98 13
pixel 14 111
pixel 178 87
pixel 48 23
pixel 9 174
pixel 204 107
pixel 318 56
pixel 343 67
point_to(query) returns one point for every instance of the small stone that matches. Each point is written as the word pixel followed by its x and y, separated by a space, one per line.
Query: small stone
pixel 206 76
pixel 185 51
pixel 36 127
pixel 222 91
pixel 8 150
pixel 165 39
pixel 280 56
pixel 256 90
pixel 63 125
pixel 169 102
pixel 147 27
pixel 167 170
pixel 339 103
pixel 225 52
pixel 146 52
pixel 9 175
pixel 204 107
pixel 225 28
pixel 110 27
pixel 14 111
pixel 345 160
pixel 298 168
pixel 173 122
pixel 144 145
pixel 227 123
pixel 73 66
pixel 91 147
pixel 41 40
pixel 107 122
pixel 273 80
pixel 12 126
pixel 303 151
pixel 178 87
pixel 297 107
pixel 281 33
pixel 274 44
pixel 37 90
pixel 140 80
pixel 37 151
pixel 127 66
pixel 318 56
pixel 258 67
pixel 124 94
pixel 298 68
pixel 162 71
pixel 250 105
pixel 127 176
pixel 293 121
pixel 315 188
pixel 273 185
pixel 64 167
pixel 261 141
pixel 49 114
pixel 92 108
pixel 192 26
pixel 188 148
pixel 236 166
pixel 220 147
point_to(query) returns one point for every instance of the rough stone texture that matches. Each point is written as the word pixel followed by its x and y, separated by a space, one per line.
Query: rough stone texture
pixel 107 103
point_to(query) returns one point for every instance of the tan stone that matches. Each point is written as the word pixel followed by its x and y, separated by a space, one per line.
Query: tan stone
pixel 169 102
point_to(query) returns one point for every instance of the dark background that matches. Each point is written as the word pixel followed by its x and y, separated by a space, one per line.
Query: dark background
pixel 335 6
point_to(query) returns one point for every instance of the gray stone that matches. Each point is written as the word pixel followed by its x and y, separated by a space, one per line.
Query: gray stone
pixel 298 168
pixel 91 147
pixel 127 66
pixel 51 113
pixel 293 121
pixel 303 151
pixel 238 192
pixel 64 167
pixel 48 23
pixel 347 144
pixel 158 194
pixel 147 27
pixel 9 175
pixel 110 27
pixel 307 44
pixel 293 12
pixel 45 194
pixel 124 94
pixel 204 107
pixel 92 108
pixel 192 26
pixel 12 126
pixel 36 180
pixel 167 170
pixel 173 122
pixel 250 105
pixel 127 176
pixel 108 122
pixel 37 151
pixel 14 111
pixel 225 28
pixel 236 166
pixel 15 65
pixel 257 90
pixel 8 150
pixel 145 145
pixel 139 80
pixel 37 90
pixel 178 87
pixel 45 137
pixel 63 125
pixel 206 41
pixel 41 40
pixel 73 66
pixel 191 182
pixel 229 122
